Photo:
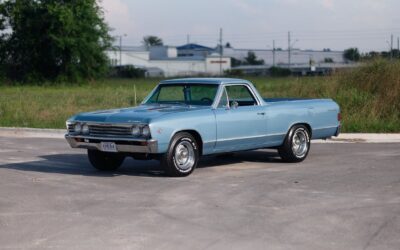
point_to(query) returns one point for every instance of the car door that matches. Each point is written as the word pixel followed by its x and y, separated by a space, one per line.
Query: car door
pixel 240 119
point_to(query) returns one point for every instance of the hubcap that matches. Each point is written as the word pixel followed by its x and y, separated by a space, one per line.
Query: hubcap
pixel 184 156
pixel 300 143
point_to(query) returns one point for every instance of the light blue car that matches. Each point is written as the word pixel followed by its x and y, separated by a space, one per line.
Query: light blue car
pixel 184 119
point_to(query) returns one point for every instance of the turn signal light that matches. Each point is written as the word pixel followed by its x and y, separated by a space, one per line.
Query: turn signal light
pixel 339 117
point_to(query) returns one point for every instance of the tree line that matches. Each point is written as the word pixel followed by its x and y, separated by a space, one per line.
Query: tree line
pixel 59 40
pixel 52 40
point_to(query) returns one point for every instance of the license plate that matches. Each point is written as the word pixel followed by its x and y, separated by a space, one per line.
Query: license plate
pixel 108 147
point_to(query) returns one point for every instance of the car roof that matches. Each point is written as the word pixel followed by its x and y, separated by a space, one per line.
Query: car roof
pixel 204 81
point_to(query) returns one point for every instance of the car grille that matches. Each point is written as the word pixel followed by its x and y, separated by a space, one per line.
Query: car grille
pixel 108 130
pixel 101 130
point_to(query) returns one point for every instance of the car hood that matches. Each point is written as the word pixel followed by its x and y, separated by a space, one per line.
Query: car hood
pixel 141 114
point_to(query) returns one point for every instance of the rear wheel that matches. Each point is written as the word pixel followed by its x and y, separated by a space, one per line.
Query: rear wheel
pixel 182 155
pixel 296 146
pixel 105 161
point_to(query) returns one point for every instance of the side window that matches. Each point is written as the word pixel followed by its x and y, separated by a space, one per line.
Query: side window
pixel 240 94
pixel 223 102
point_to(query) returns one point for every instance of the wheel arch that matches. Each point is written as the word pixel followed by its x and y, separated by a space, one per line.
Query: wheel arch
pixel 305 124
pixel 196 136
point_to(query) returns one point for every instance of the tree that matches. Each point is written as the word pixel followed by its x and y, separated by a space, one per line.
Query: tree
pixel 150 41
pixel 53 39
pixel 235 62
pixel 251 59
pixel 352 54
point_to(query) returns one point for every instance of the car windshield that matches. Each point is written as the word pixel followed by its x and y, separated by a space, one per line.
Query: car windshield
pixel 189 94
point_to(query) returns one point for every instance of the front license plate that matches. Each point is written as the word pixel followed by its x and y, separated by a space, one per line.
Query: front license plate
pixel 108 147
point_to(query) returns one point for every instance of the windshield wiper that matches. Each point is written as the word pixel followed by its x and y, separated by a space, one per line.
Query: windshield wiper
pixel 178 103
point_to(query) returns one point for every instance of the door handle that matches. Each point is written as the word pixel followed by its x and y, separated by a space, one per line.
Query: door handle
pixel 261 113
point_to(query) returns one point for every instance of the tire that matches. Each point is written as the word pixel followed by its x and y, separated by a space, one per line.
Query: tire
pixel 105 161
pixel 296 146
pixel 182 155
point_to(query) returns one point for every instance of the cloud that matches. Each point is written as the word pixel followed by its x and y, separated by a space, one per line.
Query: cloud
pixel 327 4
pixel 117 15
pixel 246 7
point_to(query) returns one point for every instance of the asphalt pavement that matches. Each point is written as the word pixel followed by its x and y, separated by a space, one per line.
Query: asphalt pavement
pixel 343 196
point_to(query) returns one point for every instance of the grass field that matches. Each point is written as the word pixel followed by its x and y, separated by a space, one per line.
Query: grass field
pixel 369 97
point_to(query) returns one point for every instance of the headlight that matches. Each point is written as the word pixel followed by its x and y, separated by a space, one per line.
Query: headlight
pixel 85 129
pixel 146 131
pixel 135 130
pixel 78 128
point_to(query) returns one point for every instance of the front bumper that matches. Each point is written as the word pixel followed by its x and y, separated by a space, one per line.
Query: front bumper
pixel 124 145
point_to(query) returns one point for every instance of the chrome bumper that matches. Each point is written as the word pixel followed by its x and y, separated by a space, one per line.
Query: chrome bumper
pixel 124 145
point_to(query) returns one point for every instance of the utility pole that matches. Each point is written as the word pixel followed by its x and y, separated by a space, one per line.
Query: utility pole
pixel 220 51
pixel 391 47
pixel 289 52
pixel 273 53
pixel 120 50
pixel 398 47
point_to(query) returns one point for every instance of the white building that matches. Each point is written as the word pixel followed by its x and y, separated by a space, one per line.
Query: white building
pixel 281 57
pixel 166 59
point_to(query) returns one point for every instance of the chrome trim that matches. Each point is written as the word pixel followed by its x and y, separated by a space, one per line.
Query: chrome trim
pixel 184 156
pixel 324 128
pixel 105 138
pixel 222 87
pixel 127 124
pixel 300 141
pixel 111 126
pixel 249 137
pixel 150 148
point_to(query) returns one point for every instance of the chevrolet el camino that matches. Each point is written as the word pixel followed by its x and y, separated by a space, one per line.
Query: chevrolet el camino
pixel 184 119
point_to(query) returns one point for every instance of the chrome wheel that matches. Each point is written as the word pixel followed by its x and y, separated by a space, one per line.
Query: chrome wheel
pixel 184 156
pixel 300 143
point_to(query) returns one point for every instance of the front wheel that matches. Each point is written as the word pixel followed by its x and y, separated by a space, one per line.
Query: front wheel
pixel 105 161
pixel 296 146
pixel 182 155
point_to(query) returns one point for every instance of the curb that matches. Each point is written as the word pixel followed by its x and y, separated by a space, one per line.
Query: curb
pixel 342 138
pixel 32 132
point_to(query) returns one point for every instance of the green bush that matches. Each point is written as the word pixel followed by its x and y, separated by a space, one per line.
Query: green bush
pixel 278 72
pixel 128 71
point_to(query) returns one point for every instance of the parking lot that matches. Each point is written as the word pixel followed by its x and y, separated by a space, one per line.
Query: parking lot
pixel 343 196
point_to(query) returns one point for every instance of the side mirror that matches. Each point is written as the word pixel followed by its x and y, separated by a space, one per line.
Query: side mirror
pixel 234 104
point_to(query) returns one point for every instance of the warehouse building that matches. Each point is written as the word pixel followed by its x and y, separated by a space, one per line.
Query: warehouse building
pixel 281 57
pixel 166 61
pixel 197 60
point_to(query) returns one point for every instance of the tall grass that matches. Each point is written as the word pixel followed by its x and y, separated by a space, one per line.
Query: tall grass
pixel 369 97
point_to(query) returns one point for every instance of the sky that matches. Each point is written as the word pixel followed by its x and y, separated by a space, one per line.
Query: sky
pixel 254 24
